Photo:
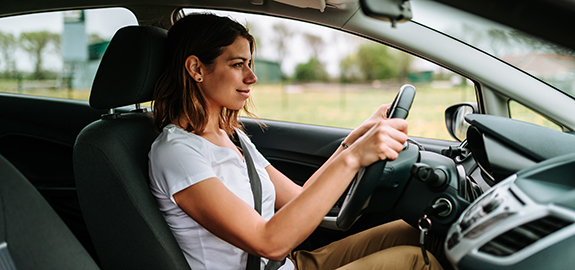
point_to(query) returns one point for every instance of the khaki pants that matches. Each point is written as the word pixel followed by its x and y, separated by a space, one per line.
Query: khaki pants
pixel 393 245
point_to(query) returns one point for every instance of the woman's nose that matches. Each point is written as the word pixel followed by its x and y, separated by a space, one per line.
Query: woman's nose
pixel 250 77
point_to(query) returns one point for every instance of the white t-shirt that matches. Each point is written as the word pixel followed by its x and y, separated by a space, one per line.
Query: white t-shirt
pixel 179 159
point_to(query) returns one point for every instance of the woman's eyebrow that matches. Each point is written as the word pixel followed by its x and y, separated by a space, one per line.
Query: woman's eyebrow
pixel 238 57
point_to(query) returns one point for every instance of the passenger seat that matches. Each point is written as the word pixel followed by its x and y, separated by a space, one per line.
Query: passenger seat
pixel 32 236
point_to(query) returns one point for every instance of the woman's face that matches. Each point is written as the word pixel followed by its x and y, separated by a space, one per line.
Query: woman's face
pixel 227 83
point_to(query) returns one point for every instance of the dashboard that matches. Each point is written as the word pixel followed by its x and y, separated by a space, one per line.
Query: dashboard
pixel 526 221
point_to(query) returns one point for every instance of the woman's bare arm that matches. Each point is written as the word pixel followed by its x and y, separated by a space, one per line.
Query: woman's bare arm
pixel 216 208
pixel 286 189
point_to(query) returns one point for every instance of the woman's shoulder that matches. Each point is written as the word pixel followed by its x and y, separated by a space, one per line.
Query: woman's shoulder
pixel 173 137
pixel 243 135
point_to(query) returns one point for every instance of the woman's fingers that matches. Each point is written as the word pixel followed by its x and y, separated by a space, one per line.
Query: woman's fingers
pixel 399 124
pixel 377 116
pixel 392 138
pixel 382 111
pixel 383 141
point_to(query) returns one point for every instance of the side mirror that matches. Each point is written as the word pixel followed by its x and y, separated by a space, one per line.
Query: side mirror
pixel 455 119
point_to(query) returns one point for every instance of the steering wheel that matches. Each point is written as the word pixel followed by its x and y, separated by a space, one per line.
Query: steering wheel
pixel 378 174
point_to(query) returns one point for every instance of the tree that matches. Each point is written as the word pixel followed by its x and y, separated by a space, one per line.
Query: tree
pixel 94 38
pixel 403 64
pixel 282 34
pixel 313 70
pixel 315 43
pixel 375 62
pixel 8 46
pixel 349 69
pixel 35 43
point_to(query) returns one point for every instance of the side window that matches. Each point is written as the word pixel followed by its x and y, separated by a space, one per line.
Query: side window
pixel 317 75
pixel 519 112
pixel 56 54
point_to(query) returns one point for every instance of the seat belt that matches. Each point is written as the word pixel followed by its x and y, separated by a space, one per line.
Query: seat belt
pixel 253 260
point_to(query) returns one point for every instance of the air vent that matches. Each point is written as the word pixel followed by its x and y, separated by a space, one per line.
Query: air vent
pixel 518 238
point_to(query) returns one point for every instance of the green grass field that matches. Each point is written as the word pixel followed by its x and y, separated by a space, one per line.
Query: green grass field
pixel 347 109
pixel 335 105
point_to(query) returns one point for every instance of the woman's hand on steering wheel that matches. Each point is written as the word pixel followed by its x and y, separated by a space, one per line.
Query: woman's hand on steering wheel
pixel 375 118
pixel 375 141
pixel 383 140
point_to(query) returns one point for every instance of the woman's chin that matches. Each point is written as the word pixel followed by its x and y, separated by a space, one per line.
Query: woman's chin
pixel 236 108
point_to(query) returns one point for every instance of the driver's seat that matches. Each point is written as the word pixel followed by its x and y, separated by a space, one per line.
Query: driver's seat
pixel 111 158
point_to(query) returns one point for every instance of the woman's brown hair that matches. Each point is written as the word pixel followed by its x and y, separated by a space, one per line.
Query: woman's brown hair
pixel 205 36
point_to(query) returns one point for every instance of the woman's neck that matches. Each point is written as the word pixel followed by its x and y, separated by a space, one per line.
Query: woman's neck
pixel 212 132
pixel 212 124
pixel 213 121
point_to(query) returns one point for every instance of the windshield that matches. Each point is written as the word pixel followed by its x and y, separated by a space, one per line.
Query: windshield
pixel 547 61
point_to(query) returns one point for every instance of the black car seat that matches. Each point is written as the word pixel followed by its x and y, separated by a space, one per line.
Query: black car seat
pixel 111 158
pixel 32 236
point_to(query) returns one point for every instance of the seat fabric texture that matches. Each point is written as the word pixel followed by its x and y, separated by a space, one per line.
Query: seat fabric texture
pixel 111 159
pixel 37 238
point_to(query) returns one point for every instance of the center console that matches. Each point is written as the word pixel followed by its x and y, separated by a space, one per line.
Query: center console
pixel 524 222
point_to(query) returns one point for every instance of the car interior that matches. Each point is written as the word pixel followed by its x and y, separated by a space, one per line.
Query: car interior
pixel 32 236
pixel 74 175
pixel 111 158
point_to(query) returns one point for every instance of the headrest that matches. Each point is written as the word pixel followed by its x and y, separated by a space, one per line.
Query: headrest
pixel 130 67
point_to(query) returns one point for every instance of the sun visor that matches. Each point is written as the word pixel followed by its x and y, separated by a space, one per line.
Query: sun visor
pixel 315 4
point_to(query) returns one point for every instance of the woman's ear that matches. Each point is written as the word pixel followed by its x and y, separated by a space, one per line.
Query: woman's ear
pixel 193 66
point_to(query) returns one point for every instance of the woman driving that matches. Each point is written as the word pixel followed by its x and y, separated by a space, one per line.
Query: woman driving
pixel 200 177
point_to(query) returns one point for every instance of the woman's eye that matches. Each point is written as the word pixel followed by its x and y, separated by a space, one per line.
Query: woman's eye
pixel 238 64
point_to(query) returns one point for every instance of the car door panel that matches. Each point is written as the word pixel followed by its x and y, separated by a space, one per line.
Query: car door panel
pixel 297 150
pixel 37 134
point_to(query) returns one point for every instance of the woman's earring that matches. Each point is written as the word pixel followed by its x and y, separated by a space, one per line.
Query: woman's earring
pixel 199 79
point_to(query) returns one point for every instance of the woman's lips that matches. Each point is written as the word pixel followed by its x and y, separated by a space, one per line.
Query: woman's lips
pixel 244 93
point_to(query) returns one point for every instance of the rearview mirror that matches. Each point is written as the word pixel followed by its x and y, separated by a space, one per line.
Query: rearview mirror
pixel 455 119
pixel 393 11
